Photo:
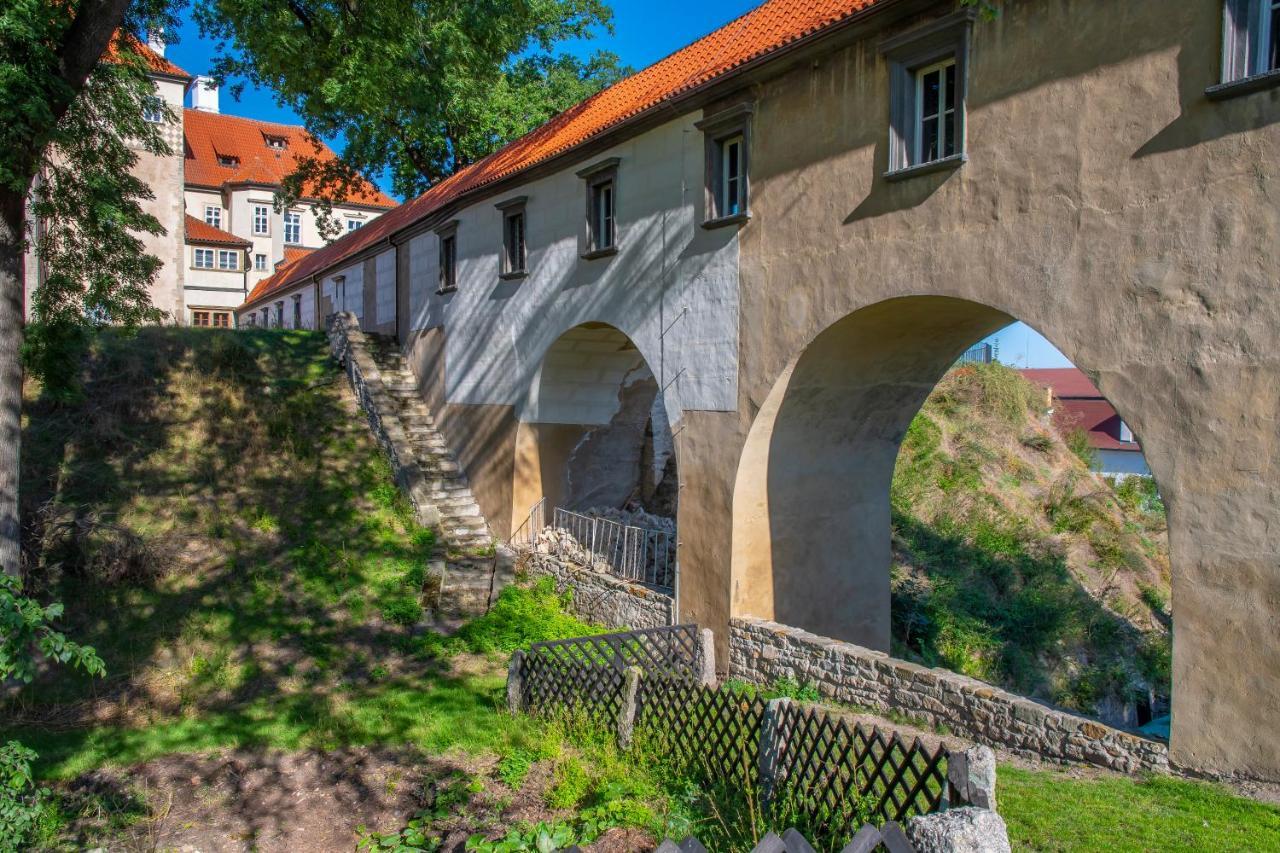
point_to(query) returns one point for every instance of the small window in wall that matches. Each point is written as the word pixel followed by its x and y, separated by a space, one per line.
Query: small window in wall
pixel 260 262
pixel 935 112
pixel 276 142
pixel 927 73
pixel 292 227
pixel 353 224
pixel 448 263
pixel 727 134
pixel 297 310
pixel 213 215
pixel 221 320
pixel 280 314
pixel 228 259
pixel 1251 39
pixel 261 220
pixel 153 109
pixel 602 201
pixel 200 318
pixel 514 250
pixel 1126 434
pixel 203 259
pixel 251 319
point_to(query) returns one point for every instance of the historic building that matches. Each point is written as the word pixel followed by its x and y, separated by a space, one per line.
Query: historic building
pixel 786 233
pixel 214 195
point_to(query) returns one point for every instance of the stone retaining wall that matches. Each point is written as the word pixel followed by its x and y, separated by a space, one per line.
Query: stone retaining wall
pixel 349 347
pixel 763 652
pixel 599 597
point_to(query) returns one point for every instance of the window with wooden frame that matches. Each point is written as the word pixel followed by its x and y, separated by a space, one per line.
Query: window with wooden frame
pixel 202 259
pixel 261 220
pixel 601 233
pixel 515 253
pixel 1250 47
pixel 266 318
pixel 200 318
pixel 297 310
pixel 228 259
pixel 280 314
pixel 928 69
pixel 221 320
pixel 727 135
pixel 213 215
pixel 448 260
pixel 292 227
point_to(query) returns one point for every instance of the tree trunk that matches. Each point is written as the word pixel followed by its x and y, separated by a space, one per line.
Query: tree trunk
pixel 12 218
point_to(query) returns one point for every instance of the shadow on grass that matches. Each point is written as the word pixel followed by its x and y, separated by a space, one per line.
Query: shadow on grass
pixel 241 457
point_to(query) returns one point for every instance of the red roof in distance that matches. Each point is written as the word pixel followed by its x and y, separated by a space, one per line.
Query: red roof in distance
pixel 124 40
pixel 767 28
pixel 212 138
pixel 1080 405
pixel 199 231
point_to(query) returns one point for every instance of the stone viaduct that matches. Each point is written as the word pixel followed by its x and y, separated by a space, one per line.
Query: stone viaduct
pixel 1109 177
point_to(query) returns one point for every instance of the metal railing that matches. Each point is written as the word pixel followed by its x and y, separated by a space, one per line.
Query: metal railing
pixel 635 553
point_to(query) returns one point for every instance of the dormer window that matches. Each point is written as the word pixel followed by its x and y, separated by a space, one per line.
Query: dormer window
pixel 279 143
pixel 229 161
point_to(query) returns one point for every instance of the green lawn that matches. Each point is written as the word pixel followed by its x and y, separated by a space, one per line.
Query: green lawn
pixel 1050 811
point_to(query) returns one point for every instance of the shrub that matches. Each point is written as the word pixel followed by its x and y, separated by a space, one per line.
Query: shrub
pixel 21 802
pixel 570 784
pixel 523 615
pixel 1077 441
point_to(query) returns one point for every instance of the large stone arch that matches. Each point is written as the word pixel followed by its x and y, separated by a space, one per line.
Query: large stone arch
pixel 592 429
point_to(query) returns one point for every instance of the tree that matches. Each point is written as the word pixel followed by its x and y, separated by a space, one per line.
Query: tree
pixel 70 117
pixel 417 89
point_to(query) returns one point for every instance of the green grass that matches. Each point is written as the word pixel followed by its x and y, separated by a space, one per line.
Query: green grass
pixel 1050 811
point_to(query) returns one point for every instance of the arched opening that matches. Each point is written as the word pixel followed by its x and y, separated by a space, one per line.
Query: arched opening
pixel 894 498
pixel 593 435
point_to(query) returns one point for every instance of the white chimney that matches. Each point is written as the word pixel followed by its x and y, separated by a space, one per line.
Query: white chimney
pixel 204 95
pixel 155 41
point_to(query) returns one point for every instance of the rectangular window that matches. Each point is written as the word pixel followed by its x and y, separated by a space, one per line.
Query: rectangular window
pixel 292 227
pixel 1251 39
pixel 935 112
pixel 200 318
pixel 297 311
pixel 602 216
pixel 213 215
pixel 927 74
pixel 204 259
pixel 353 224
pixel 513 246
pixel 153 110
pixel 730 177
pixel 1126 434
pixel 727 136
pixel 261 220
pixel 448 263
pixel 280 314
pixel 260 262
pixel 266 318
pixel 221 320
pixel 228 259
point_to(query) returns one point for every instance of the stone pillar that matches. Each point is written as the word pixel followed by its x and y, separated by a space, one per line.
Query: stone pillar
pixel 707 657
pixel 971 778
pixel 515 683
pixel 627 713
pixel 772 746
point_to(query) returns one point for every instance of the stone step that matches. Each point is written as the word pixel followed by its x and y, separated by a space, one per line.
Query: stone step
pixel 462 502
pixel 460 516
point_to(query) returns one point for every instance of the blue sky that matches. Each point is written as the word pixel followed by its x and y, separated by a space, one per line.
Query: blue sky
pixel 644 32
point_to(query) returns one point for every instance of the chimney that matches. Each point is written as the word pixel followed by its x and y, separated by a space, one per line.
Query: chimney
pixel 155 41
pixel 204 95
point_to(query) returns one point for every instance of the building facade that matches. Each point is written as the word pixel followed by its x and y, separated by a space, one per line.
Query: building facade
pixel 793 227
pixel 223 172
pixel 1076 403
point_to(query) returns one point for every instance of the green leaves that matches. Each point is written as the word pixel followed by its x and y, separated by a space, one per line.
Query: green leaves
pixel 25 628
pixel 416 89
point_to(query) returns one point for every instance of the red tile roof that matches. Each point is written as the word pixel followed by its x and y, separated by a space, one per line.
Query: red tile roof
pixel 123 40
pixel 292 254
pixel 211 136
pixel 1081 405
pixel 199 231
pixel 1065 382
pixel 765 29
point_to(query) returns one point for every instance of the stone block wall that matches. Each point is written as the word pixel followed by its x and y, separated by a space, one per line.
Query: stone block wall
pixel 599 597
pixel 763 652
pixel 348 346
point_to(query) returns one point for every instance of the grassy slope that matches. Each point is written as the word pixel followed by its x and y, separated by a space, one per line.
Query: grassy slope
pixel 1016 564
pixel 243 468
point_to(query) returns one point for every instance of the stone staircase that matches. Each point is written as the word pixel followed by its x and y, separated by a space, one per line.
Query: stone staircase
pixel 471 568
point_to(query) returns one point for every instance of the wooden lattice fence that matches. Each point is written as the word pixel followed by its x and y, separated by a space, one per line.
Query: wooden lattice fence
pixel 803 765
